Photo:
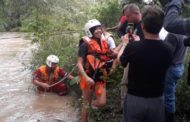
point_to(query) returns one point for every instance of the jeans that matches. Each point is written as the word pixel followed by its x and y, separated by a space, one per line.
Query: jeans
pixel 173 74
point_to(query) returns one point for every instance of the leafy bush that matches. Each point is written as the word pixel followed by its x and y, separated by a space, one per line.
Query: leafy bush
pixel 183 96
pixel 108 12
pixel 62 45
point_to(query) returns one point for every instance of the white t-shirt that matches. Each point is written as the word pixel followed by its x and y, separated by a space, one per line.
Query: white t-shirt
pixel 111 43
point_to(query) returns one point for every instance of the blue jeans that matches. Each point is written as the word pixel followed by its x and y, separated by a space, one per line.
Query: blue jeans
pixel 173 74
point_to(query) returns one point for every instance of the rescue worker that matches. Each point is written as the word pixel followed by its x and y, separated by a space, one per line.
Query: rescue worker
pixel 92 57
pixel 49 74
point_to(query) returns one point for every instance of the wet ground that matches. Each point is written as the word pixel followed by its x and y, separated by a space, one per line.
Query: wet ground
pixel 18 101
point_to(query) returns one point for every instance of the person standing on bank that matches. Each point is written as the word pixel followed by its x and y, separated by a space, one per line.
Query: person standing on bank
pixel 133 14
pixel 174 73
pixel 92 60
pixel 149 60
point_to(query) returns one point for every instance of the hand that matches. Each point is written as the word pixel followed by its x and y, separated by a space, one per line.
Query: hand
pixel 136 38
pixel 90 80
pixel 45 85
pixel 125 39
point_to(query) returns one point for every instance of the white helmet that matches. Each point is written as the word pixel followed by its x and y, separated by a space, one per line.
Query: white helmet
pixel 52 59
pixel 89 25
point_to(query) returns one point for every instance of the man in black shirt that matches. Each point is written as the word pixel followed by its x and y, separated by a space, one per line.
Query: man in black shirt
pixel 133 15
pixel 132 24
pixel 149 60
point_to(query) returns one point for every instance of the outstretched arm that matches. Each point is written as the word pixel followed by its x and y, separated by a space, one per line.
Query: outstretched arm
pixel 173 22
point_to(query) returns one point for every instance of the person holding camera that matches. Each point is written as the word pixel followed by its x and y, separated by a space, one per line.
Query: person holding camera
pixel 133 15
pixel 173 22
pixel 149 60
pixel 130 26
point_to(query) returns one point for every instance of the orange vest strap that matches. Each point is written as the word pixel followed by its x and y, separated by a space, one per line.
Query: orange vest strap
pixel 95 62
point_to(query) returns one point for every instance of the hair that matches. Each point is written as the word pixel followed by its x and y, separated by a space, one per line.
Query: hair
pixel 123 4
pixel 124 9
pixel 93 29
pixel 152 19
pixel 132 7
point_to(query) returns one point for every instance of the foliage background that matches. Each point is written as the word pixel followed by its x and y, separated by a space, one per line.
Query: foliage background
pixel 58 26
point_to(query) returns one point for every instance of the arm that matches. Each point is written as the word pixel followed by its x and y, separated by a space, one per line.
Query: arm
pixel 116 50
pixel 62 74
pixel 70 77
pixel 83 50
pixel 126 51
pixel 36 80
pixel 82 72
pixel 173 22
pixel 114 27
pixel 41 84
pixel 122 20
pixel 125 41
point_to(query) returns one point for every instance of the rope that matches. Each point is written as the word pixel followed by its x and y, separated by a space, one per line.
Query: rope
pixel 52 33
pixel 63 77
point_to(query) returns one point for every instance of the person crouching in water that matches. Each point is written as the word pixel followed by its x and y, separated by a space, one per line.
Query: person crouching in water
pixel 93 54
pixel 46 75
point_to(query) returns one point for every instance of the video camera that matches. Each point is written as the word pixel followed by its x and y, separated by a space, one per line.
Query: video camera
pixel 130 30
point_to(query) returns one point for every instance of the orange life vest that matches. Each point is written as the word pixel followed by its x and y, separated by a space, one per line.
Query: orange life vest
pixel 46 78
pixel 97 56
pixel 95 49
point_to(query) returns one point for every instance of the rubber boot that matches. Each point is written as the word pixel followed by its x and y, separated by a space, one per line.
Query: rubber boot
pixel 169 117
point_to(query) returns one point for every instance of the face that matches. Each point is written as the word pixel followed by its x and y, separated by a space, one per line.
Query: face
pixel 133 17
pixel 53 66
pixel 97 32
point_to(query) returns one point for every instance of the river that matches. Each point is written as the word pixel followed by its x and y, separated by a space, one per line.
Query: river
pixel 18 101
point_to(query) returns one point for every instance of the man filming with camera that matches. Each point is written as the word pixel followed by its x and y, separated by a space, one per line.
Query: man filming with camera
pixel 130 26
pixel 149 60
pixel 133 15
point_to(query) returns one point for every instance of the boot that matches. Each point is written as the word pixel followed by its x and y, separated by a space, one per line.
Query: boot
pixel 169 117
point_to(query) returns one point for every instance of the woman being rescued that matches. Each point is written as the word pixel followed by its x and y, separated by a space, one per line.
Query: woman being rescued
pixel 93 55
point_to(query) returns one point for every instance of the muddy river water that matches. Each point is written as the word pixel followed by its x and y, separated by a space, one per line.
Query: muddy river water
pixel 18 101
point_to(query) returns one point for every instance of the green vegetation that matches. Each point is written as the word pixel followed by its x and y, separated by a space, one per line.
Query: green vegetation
pixel 58 26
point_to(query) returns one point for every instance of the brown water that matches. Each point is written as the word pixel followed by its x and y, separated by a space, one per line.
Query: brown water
pixel 18 101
